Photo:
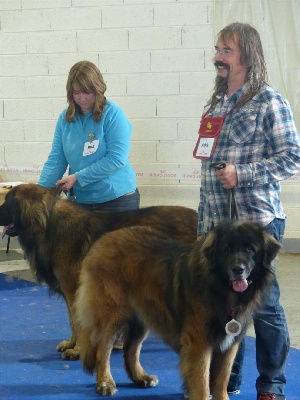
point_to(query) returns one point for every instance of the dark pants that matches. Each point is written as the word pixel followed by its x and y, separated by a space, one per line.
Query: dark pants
pixel 272 337
pixel 127 202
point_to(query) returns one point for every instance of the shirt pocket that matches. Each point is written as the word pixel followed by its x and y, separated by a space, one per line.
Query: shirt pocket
pixel 243 127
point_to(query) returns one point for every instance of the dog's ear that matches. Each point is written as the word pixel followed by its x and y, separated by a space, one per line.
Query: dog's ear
pixel 209 247
pixel 272 247
pixel 7 210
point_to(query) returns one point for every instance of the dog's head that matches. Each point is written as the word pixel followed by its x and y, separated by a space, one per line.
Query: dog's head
pixel 241 252
pixel 25 205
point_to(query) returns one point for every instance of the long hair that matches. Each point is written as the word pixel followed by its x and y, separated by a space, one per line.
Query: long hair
pixel 87 78
pixel 248 41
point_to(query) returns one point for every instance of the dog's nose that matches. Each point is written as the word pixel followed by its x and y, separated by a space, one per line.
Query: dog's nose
pixel 238 270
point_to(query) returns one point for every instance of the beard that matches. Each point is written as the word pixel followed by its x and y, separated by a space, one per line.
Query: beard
pixel 221 83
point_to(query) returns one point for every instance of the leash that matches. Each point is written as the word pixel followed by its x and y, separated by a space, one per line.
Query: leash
pixel 69 193
pixel 72 196
pixel 233 212
pixel 7 246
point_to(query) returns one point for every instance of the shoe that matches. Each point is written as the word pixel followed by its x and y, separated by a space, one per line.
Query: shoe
pixel 230 392
pixel 119 341
pixel 118 345
pixel 270 396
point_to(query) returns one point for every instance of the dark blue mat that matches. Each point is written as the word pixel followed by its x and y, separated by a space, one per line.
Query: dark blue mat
pixel 32 323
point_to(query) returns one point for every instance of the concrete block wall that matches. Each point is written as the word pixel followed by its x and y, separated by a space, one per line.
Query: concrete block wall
pixel 156 58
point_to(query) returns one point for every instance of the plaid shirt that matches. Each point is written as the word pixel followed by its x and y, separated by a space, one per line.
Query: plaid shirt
pixel 260 138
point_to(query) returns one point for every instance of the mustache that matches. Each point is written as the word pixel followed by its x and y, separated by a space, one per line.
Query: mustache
pixel 221 64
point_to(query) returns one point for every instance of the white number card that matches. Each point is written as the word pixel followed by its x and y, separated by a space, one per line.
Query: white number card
pixel 205 147
pixel 90 147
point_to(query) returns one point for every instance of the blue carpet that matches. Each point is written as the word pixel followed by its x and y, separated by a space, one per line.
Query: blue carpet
pixel 32 323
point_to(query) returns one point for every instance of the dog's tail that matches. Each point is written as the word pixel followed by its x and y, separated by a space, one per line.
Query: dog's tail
pixel 87 352
pixel 86 317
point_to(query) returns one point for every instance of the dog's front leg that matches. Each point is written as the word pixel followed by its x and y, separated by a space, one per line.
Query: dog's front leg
pixel 194 367
pixel 220 372
pixel 133 344
pixel 69 348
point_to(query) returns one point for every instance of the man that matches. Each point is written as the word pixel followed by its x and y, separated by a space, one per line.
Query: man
pixel 258 141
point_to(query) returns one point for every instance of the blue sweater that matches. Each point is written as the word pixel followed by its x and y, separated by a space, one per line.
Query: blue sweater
pixel 101 165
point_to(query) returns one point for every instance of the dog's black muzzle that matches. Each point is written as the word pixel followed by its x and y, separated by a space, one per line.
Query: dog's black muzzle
pixel 12 231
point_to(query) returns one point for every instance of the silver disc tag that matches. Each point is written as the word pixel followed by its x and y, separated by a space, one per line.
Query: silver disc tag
pixel 233 327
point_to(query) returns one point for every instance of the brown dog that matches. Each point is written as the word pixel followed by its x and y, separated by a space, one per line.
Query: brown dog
pixel 56 234
pixel 187 294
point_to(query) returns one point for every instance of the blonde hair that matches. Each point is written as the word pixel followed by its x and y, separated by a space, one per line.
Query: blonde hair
pixel 88 79
pixel 248 41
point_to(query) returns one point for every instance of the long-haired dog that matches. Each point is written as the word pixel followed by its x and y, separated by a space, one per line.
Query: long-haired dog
pixel 199 298
pixel 56 235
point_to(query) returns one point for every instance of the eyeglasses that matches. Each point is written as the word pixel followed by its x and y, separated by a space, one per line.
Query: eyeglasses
pixel 225 52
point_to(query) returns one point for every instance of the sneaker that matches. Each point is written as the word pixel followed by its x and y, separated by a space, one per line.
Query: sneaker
pixel 230 392
pixel 118 345
pixel 270 396
pixel 119 341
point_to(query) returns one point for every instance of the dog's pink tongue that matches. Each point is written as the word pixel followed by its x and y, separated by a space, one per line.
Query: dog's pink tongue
pixel 239 285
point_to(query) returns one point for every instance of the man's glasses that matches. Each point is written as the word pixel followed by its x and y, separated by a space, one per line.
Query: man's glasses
pixel 225 52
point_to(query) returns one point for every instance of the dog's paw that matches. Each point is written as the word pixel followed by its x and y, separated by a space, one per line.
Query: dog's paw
pixel 147 381
pixel 70 354
pixel 106 388
pixel 65 345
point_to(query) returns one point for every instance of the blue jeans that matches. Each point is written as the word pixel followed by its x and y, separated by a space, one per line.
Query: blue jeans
pixel 272 337
pixel 127 202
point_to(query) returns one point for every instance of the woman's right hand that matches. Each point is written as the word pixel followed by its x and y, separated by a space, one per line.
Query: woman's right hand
pixel 67 183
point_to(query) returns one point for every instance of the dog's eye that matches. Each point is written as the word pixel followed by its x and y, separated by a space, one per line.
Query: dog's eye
pixel 250 249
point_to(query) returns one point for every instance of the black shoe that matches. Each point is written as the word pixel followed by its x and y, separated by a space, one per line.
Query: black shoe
pixel 270 396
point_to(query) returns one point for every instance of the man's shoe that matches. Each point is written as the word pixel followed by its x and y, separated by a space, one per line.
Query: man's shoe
pixel 230 392
pixel 270 396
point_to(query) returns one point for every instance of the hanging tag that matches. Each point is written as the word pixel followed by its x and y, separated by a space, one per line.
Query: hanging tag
pixel 90 147
pixel 233 327
pixel 208 135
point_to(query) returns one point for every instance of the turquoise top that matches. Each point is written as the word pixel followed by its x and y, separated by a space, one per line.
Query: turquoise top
pixel 96 152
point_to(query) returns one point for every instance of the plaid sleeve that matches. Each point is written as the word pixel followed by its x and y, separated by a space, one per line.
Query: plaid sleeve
pixel 281 134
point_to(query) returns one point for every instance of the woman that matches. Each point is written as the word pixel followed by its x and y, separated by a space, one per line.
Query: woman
pixel 92 140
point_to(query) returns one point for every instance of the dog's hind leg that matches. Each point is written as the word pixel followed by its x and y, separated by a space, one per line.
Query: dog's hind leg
pixel 106 385
pixel 136 334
